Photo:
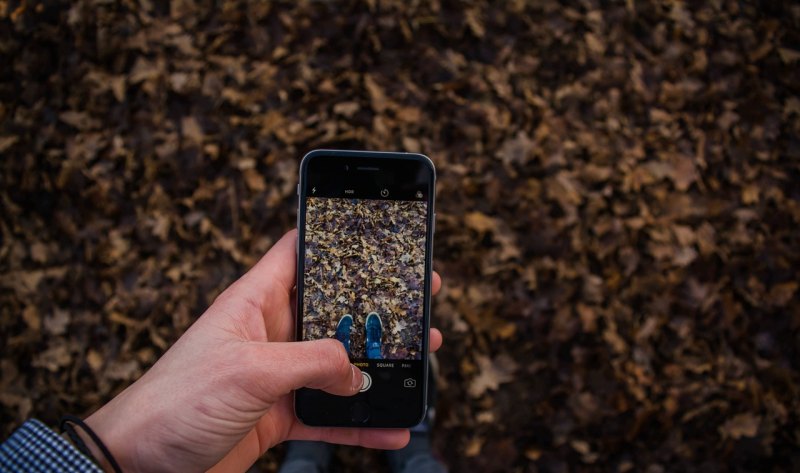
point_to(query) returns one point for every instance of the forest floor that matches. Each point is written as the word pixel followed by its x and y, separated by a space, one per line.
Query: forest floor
pixel 618 206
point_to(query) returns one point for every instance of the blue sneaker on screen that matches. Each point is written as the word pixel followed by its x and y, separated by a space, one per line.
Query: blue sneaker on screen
pixel 374 331
pixel 343 331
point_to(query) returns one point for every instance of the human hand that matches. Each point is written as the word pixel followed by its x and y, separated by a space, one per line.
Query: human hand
pixel 221 395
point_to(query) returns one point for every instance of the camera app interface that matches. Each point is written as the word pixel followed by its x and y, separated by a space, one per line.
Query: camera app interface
pixel 364 271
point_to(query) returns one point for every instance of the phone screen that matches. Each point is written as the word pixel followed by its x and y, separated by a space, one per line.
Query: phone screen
pixel 363 259
pixel 364 275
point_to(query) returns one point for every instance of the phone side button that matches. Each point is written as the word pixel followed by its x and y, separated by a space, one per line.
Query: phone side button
pixel 359 412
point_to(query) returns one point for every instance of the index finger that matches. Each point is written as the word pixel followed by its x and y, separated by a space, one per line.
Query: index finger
pixel 436 283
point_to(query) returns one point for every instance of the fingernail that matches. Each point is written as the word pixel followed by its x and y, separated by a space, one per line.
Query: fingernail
pixel 357 378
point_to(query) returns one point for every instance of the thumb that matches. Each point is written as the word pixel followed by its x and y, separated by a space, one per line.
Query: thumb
pixel 318 364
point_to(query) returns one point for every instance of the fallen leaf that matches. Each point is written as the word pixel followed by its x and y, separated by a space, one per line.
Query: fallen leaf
pixel 742 425
pixel 782 294
pixel 53 358
pixel 57 322
pixel 80 120
pixel 480 222
pixel 492 373
pixel 191 131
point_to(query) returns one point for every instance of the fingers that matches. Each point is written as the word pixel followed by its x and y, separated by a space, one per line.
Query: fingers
pixel 319 364
pixel 436 283
pixel 436 340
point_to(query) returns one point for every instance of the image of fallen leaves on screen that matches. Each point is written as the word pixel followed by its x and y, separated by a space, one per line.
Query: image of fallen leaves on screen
pixel 364 256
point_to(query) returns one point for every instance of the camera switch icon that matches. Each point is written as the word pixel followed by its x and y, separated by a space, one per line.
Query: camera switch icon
pixel 409 383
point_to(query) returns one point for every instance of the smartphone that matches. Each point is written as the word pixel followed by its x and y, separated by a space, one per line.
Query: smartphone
pixel 365 223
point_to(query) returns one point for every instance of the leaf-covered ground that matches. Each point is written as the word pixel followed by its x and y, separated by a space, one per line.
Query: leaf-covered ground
pixel 618 207
pixel 366 256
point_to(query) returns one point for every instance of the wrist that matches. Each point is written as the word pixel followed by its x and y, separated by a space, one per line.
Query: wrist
pixel 87 441
pixel 108 430
pixel 97 454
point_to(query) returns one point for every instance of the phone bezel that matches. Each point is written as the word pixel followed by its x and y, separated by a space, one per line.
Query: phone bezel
pixel 430 223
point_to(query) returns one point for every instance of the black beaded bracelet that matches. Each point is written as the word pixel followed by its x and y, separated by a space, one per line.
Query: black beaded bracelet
pixel 66 426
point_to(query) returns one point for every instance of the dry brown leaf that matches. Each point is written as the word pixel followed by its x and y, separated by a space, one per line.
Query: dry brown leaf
pixel 782 294
pixel 594 44
pixel 57 322
pixel 79 120
pixel 376 94
pixel 7 142
pixel 742 425
pixel 191 131
pixel 492 373
pixel 32 318
pixel 480 222
pixel 53 358
pixel 517 150
pixel 474 447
